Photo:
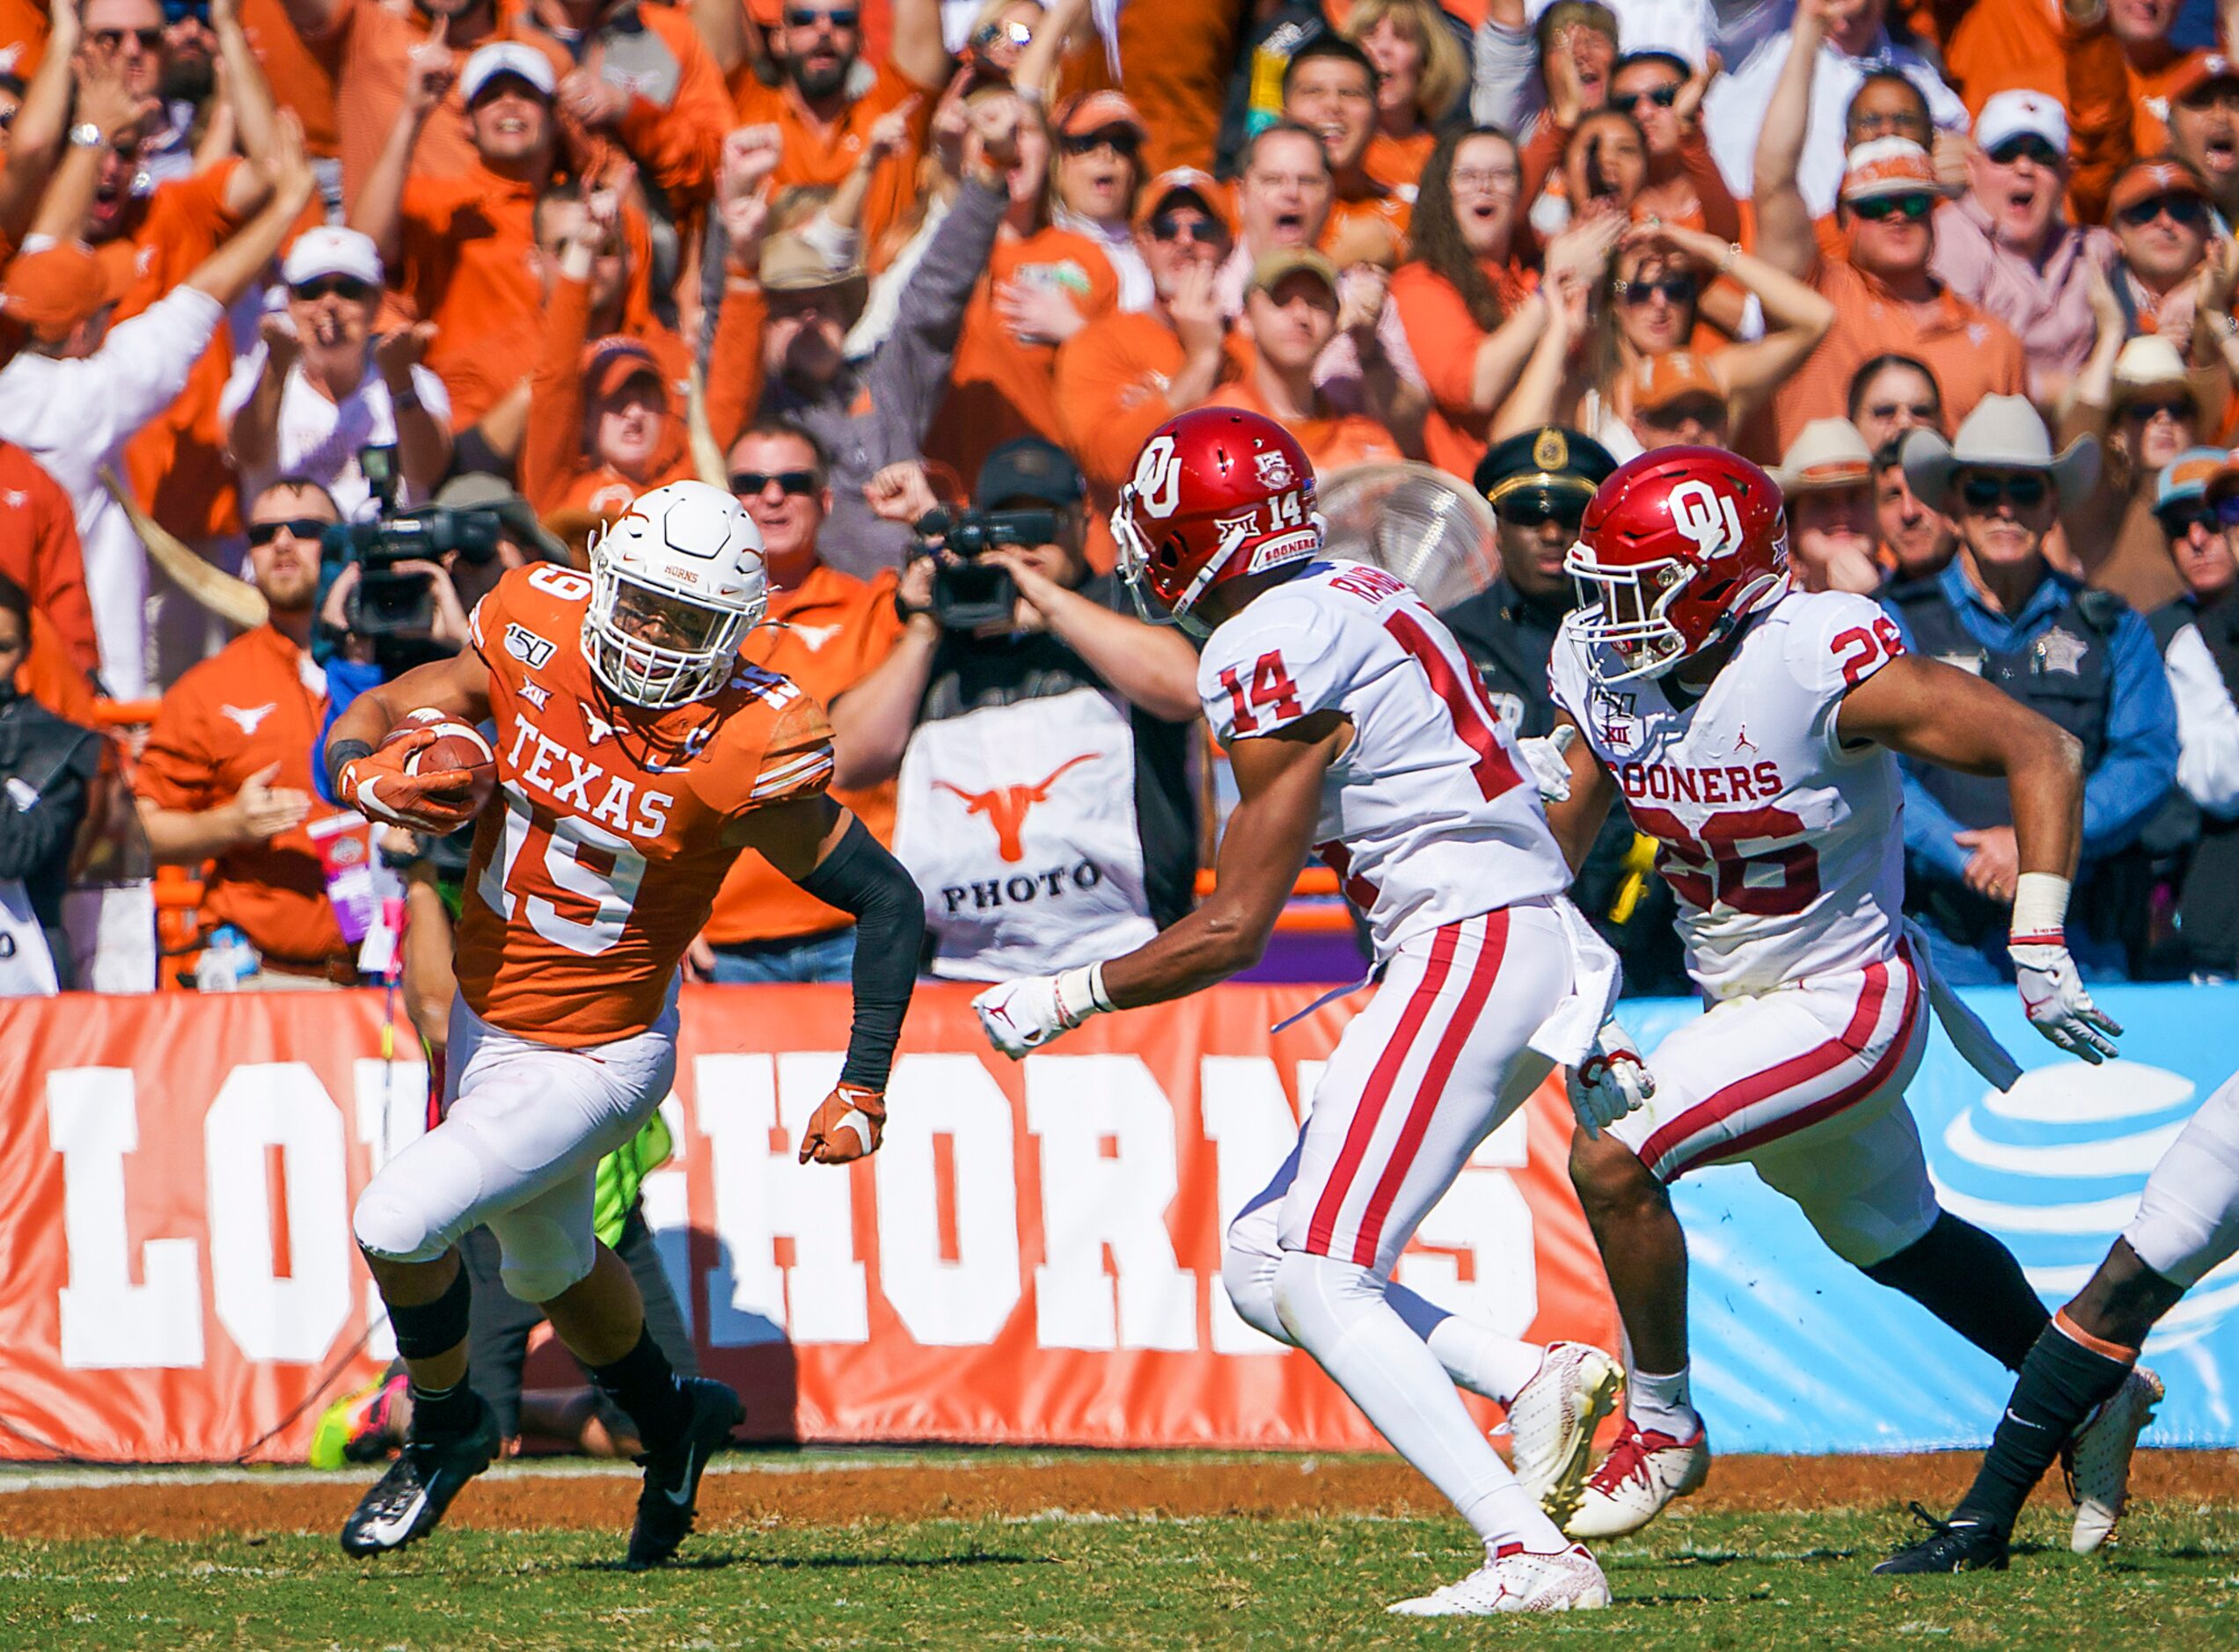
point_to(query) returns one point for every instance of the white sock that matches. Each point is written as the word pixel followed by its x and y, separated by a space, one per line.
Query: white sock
pixel 1475 1356
pixel 1661 1403
pixel 1338 1313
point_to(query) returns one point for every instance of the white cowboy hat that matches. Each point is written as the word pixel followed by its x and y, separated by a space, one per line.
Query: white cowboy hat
pixel 2003 433
pixel 1826 454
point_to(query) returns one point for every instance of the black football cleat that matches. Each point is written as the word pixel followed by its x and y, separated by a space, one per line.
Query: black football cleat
pixel 671 1494
pixel 405 1502
pixel 1950 1545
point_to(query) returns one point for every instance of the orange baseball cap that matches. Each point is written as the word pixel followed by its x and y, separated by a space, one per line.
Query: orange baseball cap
pixel 1094 110
pixel 2201 69
pixel 52 290
pixel 1660 380
pixel 2143 180
pixel 614 362
pixel 1181 180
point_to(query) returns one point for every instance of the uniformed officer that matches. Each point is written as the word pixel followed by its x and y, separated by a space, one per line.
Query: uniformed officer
pixel 2083 658
pixel 1539 484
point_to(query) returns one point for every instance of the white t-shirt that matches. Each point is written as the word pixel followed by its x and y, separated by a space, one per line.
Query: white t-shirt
pixel 320 438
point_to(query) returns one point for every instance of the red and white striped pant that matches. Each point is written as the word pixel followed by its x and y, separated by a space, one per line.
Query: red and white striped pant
pixel 1434 1063
pixel 1806 1084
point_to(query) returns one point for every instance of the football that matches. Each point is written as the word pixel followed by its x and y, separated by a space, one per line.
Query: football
pixel 456 745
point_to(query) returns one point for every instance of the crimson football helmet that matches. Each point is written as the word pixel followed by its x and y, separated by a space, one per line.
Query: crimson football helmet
pixel 1676 548
pixel 1217 494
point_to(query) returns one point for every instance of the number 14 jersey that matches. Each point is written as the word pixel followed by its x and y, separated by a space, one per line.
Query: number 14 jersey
pixel 1429 815
pixel 1786 851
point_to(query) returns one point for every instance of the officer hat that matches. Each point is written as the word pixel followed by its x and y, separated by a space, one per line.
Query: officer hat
pixel 1548 464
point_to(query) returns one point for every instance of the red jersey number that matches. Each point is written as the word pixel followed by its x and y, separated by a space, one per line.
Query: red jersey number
pixel 1863 649
pixel 1272 689
pixel 1712 870
pixel 1466 702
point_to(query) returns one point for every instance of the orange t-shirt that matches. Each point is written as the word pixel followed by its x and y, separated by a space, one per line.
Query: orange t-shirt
pixel 40 551
pixel 820 156
pixel 23 38
pixel 1112 379
pixel 556 473
pixel 599 859
pixel 1359 222
pixel 1444 338
pixel 470 264
pixel 368 53
pixel 1002 387
pixel 1397 163
pixel 827 634
pixel 259 701
pixel 1332 442
pixel 1971 353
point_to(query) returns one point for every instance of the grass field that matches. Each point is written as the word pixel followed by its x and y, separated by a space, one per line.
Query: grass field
pixel 1713 1577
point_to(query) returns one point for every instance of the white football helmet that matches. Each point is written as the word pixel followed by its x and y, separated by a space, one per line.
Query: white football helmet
pixel 684 567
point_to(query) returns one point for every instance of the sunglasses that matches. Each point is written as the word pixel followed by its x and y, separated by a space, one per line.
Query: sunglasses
pixel 298 527
pixel 1537 510
pixel 1662 97
pixel 2179 521
pixel 2029 144
pixel 2178 407
pixel 1677 290
pixel 347 287
pixel 1912 207
pixel 748 484
pixel 1117 138
pixel 802 18
pixel 1923 412
pixel 1018 34
pixel 2188 211
pixel 113 40
pixel 1165 227
pixel 2024 490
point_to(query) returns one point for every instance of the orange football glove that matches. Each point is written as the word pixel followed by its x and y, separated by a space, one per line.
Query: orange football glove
pixel 377 786
pixel 847 1125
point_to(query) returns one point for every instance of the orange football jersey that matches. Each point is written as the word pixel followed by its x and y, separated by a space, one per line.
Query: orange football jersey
pixel 599 855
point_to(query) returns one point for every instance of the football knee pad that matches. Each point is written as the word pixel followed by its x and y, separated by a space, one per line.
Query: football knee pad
pixel 542 1258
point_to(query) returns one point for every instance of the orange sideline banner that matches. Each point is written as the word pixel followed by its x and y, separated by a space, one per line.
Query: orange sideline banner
pixel 1034 1257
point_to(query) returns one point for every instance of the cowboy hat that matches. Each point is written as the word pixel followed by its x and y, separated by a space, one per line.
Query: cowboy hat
pixel 1827 453
pixel 2003 433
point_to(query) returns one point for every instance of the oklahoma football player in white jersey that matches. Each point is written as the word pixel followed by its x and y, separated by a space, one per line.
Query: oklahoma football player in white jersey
pixel 1753 731
pixel 1355 728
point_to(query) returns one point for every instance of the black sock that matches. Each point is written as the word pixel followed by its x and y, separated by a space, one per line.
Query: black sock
pixel 443 1413
pixel 2061 1382
pixel 1973 1283
pixel 644 1385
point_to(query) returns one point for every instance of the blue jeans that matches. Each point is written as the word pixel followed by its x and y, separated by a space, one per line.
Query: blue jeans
pixel 830 956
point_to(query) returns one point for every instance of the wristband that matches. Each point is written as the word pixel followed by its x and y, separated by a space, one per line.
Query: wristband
pixel 1081 994
pixel 339 754
pixel 404 401
pixel 2040 909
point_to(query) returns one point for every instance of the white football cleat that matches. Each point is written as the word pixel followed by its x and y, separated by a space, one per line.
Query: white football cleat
pixel 1644 1471
pixel 1514 1580
pixel 1552 1421
pixel 2099 1458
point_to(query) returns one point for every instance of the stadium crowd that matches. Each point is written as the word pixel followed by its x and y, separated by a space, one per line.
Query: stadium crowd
pixel 320 315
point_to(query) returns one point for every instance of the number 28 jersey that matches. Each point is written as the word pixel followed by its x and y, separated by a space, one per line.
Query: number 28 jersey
pixel 599 857
pixel 1786 851
pixel 1431 815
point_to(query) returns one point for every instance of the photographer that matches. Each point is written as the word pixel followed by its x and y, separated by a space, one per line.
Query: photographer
pixel 1041 736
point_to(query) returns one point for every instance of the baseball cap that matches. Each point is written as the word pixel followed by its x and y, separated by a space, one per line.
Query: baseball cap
pixel 1660 380
pixel 505 57
pixel 330 250
pixel 791 263
pixel 1546 463
pixel 614 362
pixel 1888 166
pixel 1288 260
pixel 2019 111
pixel 2143 180
pixel 1179 180
pixel 2187 476
pixel 1826 454
pixel 1029 468
pixel 1094 110
pixel 53 289
pixel 2199 71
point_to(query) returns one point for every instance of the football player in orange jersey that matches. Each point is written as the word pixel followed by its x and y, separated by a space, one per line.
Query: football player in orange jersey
pixel 637 755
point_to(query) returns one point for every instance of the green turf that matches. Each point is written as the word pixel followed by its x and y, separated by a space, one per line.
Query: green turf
pixel 1751 1582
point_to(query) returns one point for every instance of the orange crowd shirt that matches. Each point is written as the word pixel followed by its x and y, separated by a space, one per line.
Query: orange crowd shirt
pixel 23 37
pixel 599 859
pixel 368 52
pixel 1003 387
pixel 40 551
pixel 1397 163
pixel 1333 442
pixel 257 701
pixel 1444 338
pixel 819 156
pixel 827 634
pixel 557 473
pixel 1112 381
pixel 301 78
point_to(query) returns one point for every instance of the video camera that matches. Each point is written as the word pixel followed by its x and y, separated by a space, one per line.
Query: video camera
pixel 390 606
pixel 967 593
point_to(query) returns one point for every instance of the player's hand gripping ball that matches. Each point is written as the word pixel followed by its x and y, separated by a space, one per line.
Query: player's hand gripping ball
pixel 847 1125
pixel 431 775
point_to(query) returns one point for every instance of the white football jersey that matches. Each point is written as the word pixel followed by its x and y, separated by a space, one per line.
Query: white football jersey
pixel 1431 816
pixel 1786 851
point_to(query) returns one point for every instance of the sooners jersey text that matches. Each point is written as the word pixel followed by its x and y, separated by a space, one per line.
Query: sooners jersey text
pixel 1786 851
pixel 1431 816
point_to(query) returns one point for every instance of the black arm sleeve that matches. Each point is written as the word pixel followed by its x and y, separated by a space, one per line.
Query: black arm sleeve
pixel 861 878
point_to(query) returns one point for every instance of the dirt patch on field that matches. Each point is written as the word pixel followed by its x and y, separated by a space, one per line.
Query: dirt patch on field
pixel 1116 1485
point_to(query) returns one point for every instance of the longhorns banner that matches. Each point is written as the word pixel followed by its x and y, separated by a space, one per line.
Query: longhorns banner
pixel 1032 1257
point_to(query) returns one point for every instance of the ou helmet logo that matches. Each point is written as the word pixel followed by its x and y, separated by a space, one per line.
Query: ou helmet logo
pixel 1158 476
pixel 1707 516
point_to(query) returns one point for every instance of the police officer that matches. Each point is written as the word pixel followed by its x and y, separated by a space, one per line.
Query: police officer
pixel 2083 658
pixel 1539 484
